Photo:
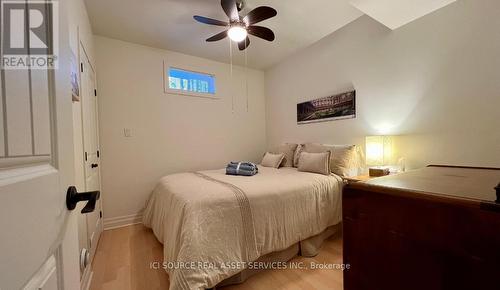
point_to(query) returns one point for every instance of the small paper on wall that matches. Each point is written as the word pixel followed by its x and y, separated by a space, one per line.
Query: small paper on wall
pixel 75 85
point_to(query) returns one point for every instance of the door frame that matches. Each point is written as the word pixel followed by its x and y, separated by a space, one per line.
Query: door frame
pixel 84 55
pixel 68 254
pixel 87 274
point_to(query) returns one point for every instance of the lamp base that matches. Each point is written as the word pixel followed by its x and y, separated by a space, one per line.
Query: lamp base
pixel 378 171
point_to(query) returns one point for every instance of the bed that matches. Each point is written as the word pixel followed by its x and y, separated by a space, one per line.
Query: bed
pixel 213 226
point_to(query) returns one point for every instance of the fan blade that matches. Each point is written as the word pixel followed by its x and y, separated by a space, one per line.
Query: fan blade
pixel 218 36
pixel 229 7
pixel 210 21
pixel 242 45
pixel 262 32
pixel 259 14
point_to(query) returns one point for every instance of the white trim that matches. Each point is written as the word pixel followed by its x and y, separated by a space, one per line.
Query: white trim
pixel 42 275
pixel 90 280
pixel 87 277
pixel 122 221
pixel 191 94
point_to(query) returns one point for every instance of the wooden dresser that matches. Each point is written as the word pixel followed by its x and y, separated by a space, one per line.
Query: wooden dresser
pixel 428 229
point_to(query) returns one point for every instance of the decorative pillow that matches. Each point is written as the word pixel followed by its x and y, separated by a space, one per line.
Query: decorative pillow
pixel 288 149
pixel 344 158
pixel 296 155
pixel 315 162
pixel 272 160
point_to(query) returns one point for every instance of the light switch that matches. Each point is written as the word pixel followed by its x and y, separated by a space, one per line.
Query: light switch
pixel 127 132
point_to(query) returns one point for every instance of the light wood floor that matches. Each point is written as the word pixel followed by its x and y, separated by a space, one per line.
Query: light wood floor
pixel 123 257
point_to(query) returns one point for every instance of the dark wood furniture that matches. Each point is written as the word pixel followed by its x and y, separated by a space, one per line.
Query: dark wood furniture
pixel 433 228
pixel 364 177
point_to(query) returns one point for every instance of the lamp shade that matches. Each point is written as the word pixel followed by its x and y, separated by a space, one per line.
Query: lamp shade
pixel 379 150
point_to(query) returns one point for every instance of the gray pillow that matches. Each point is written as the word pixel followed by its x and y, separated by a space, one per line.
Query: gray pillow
pixel 272 160
pixel 315 162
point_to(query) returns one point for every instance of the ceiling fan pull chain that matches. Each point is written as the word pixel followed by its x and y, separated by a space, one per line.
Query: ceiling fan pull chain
pixel 231 69
pixel 246 74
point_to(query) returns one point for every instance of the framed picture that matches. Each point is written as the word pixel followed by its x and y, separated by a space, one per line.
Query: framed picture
pixel 336 107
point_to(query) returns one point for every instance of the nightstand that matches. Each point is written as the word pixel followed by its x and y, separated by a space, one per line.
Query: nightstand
pixel 364 177
pixel 358 178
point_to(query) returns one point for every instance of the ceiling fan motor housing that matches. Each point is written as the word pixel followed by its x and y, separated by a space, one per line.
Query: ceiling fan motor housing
pixel 240 4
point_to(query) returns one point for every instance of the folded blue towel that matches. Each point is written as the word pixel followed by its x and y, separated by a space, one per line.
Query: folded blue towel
pixel 242 168
pixel 234 163
pixel 234 171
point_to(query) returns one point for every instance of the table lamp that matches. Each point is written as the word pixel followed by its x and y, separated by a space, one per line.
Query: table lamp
pixel 379 154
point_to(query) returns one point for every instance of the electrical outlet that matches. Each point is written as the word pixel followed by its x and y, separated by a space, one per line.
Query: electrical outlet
pixel 127 132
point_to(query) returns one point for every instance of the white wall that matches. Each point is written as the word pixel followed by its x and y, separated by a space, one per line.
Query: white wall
pixel 170 133
pixel 435 81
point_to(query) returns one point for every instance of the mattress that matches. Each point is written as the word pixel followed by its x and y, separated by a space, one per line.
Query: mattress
pixel 214 226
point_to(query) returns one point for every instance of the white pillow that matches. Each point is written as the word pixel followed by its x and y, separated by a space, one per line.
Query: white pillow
pixel 288 149
pixel 272 160
pixel 343 161
pixel 315 162
pixel 296 155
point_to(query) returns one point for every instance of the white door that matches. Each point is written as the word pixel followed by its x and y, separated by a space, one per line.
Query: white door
pixel 39 238
pixel 91 147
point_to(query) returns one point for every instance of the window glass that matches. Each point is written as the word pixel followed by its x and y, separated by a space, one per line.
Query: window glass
pixel 189 81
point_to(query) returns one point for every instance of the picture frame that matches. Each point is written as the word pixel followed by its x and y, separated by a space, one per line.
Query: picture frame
pixel 335 107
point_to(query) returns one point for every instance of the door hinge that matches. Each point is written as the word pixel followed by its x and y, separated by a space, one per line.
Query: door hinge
pixel 98 154
pixel 95 92
pixel 81 66
pixel 85 156
pixel 100 214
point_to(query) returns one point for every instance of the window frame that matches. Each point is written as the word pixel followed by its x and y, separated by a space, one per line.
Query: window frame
pixel 168 90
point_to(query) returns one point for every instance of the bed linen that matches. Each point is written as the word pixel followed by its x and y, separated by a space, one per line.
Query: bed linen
pixel 212 225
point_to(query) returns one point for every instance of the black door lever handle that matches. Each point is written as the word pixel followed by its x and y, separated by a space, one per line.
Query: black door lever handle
pixel 73 197
pixel 497 189
pixel 94 165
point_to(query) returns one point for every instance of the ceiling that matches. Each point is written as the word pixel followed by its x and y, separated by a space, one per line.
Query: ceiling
pixel 169 24
pixel 396 13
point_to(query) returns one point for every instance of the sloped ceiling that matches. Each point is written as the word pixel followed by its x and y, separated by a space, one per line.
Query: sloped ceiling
pixel 396 13
pixel 169 24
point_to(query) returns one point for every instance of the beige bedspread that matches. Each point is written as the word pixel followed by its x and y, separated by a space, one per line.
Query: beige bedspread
pixel 224 220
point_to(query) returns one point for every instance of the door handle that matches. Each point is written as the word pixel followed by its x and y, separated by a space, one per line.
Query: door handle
pixel 73 197
pixel 497 189
pixel 94 165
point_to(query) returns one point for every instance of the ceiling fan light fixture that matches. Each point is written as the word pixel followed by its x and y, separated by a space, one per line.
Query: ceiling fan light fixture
pixel 237 33
pixel 238 28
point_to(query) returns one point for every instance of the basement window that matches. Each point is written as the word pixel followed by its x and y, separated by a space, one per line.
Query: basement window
pixel 191 83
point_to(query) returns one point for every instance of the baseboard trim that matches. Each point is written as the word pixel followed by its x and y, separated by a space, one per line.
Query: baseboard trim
pixel 122 221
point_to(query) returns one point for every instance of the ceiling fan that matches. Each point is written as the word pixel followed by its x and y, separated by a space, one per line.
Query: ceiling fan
pixel 239 28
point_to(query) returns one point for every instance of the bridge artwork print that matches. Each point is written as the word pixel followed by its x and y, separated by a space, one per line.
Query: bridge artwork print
pixel 336 107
